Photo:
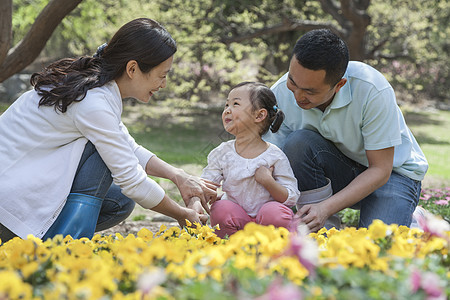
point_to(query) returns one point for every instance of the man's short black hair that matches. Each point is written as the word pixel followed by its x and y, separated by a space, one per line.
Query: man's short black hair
pixel 321 49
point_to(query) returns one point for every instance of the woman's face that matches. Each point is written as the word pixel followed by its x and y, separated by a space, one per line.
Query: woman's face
pixel 142 86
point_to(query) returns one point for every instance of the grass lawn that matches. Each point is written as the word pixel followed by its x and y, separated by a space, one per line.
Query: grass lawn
pixel 179 135
pixel 432 131
pixel 184 135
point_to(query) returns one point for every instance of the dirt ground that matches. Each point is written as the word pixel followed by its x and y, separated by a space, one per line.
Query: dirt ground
pixel 152 221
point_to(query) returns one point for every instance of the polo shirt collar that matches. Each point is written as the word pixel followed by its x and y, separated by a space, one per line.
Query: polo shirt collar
pixel 344 96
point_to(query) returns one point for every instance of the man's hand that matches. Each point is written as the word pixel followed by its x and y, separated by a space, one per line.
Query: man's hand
pixel 313 215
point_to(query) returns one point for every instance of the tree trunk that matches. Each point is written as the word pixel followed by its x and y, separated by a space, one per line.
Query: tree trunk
pixel 351 16
pixel 26 51
pixel 5 27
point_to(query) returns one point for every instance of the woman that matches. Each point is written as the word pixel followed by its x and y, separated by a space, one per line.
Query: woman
pixel 69 165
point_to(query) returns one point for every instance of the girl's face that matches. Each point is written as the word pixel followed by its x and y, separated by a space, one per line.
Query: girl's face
pixel 142 86
pixel 237 116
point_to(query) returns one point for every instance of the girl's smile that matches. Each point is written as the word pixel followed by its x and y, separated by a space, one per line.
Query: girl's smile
pixel 237 116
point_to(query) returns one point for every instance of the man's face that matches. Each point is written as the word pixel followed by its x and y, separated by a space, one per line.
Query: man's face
pixel 309 87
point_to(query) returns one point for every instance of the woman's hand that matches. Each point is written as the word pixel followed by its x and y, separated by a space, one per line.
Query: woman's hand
pixel 193 186
pixel 195 204
pixel 192 216
pixel 189 186
pixel 172 209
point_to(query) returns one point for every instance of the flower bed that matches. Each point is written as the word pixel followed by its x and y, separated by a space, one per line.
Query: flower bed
pixel 259 262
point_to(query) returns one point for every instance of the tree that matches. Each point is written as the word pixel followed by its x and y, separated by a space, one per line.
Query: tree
pixel 350 16
pixel 221 42
pixel 21 55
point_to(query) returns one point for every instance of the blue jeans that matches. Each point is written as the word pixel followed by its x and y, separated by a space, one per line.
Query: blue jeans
pixel 313 159
pixel 94 178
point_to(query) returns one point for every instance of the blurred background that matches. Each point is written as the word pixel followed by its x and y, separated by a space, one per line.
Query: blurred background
pixel 223 42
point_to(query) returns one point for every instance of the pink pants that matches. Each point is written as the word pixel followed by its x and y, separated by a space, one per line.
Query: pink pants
pixel 231 217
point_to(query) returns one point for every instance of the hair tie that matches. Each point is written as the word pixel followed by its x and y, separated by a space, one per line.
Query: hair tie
pixel 100 50
pixel 275 108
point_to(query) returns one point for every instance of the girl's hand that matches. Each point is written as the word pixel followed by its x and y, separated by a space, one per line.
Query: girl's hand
pixel 215 199
pixel 263 174
pixel 195 204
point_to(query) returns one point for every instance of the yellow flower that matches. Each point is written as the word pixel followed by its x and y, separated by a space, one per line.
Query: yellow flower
pixel 29 268
pixel 377 230
pixel 145 234
pixel 12 287
pixel 292 268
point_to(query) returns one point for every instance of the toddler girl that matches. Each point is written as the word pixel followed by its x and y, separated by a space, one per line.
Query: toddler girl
pixel 257 179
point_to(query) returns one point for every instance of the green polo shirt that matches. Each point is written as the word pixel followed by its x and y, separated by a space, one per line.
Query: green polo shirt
pixel 363 116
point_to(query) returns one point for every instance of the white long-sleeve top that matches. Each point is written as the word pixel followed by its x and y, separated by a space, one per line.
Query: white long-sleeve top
pixel 40 150
pixel 237 175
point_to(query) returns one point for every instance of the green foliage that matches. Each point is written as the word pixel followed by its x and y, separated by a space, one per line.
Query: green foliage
pixel 349 217
pixel 414 39
pixel 408 40
pixel 89 25
pixel 139 218
pixel 3 107
pixel 434 200
pixel 24 14
pixel 431 131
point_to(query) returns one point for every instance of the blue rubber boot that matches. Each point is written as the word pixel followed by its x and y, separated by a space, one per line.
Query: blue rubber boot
pixel 78 217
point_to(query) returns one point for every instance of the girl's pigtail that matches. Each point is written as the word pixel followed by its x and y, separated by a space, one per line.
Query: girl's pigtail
pixel 279 118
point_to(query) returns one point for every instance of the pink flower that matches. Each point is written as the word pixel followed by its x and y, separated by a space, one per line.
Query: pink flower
pixel 429 282
pixel 148 280
pixel 425 197
pixel 441 202
pixel 305 249
pixel 415 280
pixel 279 291
pixel 434 225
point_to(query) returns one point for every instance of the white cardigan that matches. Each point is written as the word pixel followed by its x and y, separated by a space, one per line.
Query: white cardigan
pixel 40 150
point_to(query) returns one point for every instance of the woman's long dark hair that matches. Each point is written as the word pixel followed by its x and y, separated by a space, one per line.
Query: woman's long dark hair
pixel 69 79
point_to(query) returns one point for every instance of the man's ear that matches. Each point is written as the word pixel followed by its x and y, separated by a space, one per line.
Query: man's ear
pixel 131 68
pixel 261 115
pixel 340 84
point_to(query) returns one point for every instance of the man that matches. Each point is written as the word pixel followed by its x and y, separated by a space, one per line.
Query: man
pixel 343 125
